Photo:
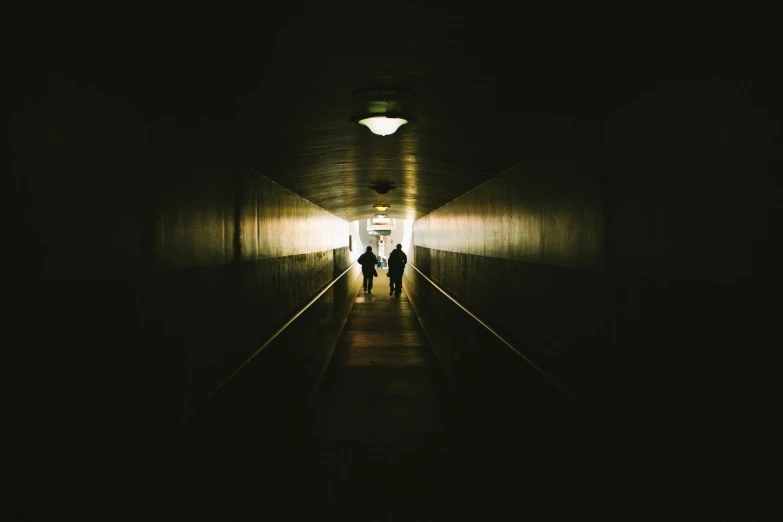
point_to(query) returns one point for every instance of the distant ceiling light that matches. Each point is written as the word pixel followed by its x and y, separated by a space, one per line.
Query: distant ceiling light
pixel 382 125
pixel 381 208
pixel 382 187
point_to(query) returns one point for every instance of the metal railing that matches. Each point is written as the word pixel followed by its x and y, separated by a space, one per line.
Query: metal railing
pixel 597 417
pixel 562 389
pixel 194 409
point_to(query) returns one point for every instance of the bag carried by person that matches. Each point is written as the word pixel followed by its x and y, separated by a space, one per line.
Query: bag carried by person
pixel 374 272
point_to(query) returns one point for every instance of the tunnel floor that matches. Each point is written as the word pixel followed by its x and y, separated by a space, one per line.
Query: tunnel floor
pixel 381 445
pixel 388 439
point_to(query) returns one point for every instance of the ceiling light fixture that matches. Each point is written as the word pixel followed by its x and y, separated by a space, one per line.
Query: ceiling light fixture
pixel 381 110
pixel 383 125
pixel 382 208
pixel 382 187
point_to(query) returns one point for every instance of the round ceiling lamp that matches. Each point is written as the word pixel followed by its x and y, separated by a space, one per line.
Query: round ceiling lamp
pixel 381 208
pixel 382 187
pixel 382 111
pixel 383 125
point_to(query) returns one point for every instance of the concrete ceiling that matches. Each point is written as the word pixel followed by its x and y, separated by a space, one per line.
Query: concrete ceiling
pixel 274 89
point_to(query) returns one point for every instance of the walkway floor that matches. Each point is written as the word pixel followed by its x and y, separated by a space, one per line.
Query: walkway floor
pixel 381 447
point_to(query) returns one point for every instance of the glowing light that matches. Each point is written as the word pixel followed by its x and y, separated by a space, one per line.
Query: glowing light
pixel 383 126
pixel 407 237
pixel 358 247
pixel 381 208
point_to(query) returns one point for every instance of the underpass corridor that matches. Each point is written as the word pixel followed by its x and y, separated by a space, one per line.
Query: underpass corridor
pixel 590 209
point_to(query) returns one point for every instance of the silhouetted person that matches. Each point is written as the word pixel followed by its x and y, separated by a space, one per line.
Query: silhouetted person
pixel 397 262
pixel 368 262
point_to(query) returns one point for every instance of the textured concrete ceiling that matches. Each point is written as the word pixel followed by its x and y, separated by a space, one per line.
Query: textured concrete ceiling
pixel 274 88
pixel 488 93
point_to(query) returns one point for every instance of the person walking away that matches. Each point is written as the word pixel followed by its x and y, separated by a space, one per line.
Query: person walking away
pixel 368 262
pixel 397 262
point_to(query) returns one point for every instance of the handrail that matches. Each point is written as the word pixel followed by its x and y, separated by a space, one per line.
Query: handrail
pixel 193 410
pixel 533 365
pixel 596 416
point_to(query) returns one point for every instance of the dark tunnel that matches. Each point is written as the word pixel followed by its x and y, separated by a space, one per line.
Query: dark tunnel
pixel 586 326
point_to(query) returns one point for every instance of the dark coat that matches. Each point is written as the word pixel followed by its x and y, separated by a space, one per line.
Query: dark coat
pixel 368 262
pixel 397 261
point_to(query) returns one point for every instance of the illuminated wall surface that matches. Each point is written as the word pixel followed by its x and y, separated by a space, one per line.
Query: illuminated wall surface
pixel 153 266
pixel 253 245
pixel 272 220
pixel 525 251
pixel 359 242
pixel 634 264
pixel 544 210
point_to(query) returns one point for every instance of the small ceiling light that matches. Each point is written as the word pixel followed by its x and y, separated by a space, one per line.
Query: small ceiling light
pixel 383 125
pixel 383 111
pixel 381 208
pixel 382 187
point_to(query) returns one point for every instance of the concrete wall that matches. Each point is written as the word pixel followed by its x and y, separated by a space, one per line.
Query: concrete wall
pixel 146 266
pixel 525 251
pixel 634 262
